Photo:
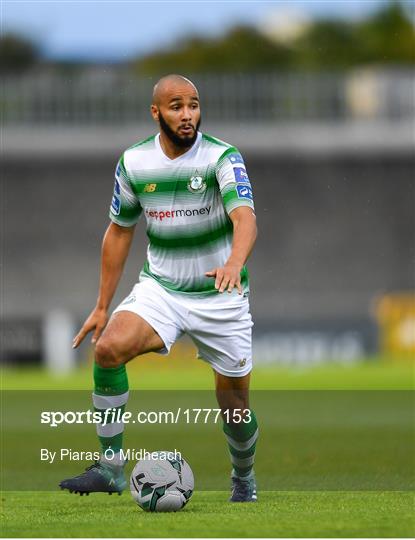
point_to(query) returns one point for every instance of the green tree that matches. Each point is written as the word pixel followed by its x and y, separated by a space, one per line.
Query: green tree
pixel 328 44
pixel 388 37
pixel 16 54
pixel 385 37
pixel 242 49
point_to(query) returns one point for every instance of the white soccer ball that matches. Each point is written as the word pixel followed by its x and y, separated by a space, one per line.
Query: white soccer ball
pixel 162 482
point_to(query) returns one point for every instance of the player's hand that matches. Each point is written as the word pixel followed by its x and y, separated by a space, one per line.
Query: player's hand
pixel 96 321
pixel 227 277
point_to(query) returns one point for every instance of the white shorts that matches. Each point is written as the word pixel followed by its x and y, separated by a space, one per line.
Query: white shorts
pixel 219 325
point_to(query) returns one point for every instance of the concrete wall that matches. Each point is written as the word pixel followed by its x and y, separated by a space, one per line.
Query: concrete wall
pixel 335 231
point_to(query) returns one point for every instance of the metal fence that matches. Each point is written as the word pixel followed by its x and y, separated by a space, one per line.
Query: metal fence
pixel 98 96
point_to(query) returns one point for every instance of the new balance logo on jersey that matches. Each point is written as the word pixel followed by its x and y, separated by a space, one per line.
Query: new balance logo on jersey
pixel 149 188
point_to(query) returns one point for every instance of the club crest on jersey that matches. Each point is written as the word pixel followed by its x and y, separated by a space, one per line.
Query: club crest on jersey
pixel 196 184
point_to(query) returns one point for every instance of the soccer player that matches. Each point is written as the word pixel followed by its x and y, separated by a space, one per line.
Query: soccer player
pixel 195 194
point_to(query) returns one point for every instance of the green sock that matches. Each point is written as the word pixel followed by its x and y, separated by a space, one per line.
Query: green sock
pixel 111 392
pixel 242 438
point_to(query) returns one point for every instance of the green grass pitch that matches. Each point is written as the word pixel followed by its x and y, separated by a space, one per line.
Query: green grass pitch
pixel 208 514
pixel 296 513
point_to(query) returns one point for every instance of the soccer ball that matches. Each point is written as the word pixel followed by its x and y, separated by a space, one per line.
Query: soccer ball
pixel 161 482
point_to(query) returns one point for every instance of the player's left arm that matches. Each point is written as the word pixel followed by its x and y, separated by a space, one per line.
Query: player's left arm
pixel 236 191
pixel 228 276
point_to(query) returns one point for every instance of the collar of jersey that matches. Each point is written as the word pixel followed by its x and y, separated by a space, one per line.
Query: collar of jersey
pixel 186 154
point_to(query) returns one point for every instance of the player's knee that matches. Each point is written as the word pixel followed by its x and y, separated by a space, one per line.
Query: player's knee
pixel 106 355
pixel 233 399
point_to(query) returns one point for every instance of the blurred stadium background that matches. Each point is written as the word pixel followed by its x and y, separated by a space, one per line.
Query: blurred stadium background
pixel 323 109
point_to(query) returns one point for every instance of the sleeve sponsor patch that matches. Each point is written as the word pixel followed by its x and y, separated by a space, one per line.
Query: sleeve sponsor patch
pixel 244 192
pixel 118 171
pixel 117 189
pixel 240 175
pixel 236 158
pixel 115 205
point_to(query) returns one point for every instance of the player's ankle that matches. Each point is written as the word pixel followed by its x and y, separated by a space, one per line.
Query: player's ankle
pixel 111 459
pixel 249 476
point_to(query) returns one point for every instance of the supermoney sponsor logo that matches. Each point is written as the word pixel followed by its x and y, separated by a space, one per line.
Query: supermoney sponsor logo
pixel 177 213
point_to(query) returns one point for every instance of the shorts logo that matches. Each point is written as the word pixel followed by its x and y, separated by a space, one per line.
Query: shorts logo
pixel 149 188
pixel 242 362
pixel 240 175
pixel 196 184
pixel 129 300
pixel 244 192
pixel 115 205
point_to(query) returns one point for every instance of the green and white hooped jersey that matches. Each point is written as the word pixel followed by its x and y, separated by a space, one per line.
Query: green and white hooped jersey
pixel 186 202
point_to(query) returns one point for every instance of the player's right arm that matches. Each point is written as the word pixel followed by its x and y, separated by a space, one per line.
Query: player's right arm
pixel 124 212
pixel 115 249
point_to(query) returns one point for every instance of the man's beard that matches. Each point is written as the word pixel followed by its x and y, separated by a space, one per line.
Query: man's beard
pixel 181 142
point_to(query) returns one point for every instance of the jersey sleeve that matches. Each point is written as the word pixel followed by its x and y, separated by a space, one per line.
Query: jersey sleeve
pixel 233 180
pixel 125 207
